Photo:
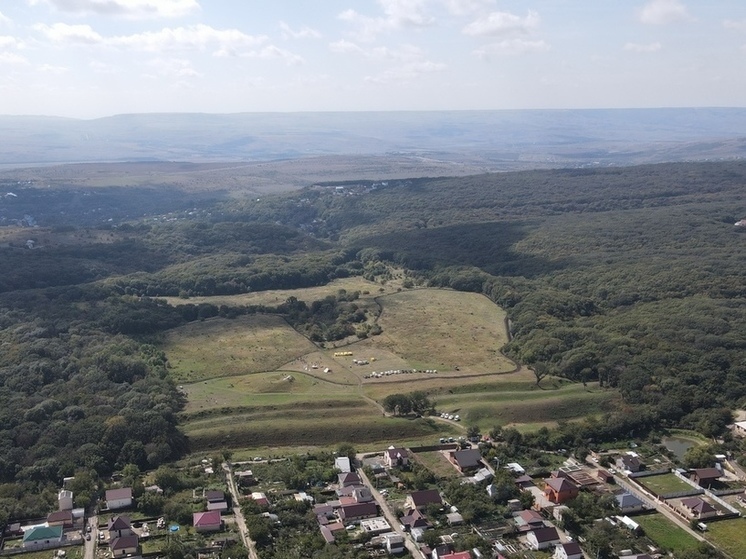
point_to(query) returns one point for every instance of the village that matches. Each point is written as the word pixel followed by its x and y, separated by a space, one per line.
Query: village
pixel 451 500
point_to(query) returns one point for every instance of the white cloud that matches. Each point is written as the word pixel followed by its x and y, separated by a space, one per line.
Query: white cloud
pixel 12 58
pixel 466 7
pixel 304 32
pixel 736 25
pixel 398 14
pixel 65 33
pixel 503 24
pixel 6 41
pixel 272 52
pixel 174 68
pixel 201 37
pixel 637 47
pixel 50 69
pixel 4 20
pixel 662 12
pixel 134 9
pixel 511 47
pixel 345 47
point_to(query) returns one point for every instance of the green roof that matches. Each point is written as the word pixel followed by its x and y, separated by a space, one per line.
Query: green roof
pixel 40 533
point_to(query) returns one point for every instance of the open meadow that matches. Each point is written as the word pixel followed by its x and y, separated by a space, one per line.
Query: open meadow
pixel 255 382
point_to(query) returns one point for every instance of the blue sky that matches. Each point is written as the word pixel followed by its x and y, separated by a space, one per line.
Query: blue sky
pixel 91 58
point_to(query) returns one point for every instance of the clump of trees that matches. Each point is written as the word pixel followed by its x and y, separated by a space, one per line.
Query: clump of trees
pixel 416 403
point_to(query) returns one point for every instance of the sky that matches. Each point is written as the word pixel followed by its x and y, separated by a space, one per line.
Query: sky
pixel 94 58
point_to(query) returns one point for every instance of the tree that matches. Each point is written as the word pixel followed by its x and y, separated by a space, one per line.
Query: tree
pixel 699 457
pixel 540 371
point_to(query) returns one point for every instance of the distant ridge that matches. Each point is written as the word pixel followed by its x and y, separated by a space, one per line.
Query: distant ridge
pixel 492 138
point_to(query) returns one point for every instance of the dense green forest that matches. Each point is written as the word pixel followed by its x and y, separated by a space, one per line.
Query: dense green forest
pixel 630 276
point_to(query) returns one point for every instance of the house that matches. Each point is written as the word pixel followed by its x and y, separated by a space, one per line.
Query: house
pixel 524 481
pixel 457 555
pixel 705 477
pixel 414 519
pixel 394 543
pixel 245 477
pixel 327 534
pixel 569 550
pixel 466 460
pixel 62 518
pixel 697 507
pixel 420 499
pixel 629 503
pixel 629 463
pixel 342 463
pixel 347 479
pixel 42 537
pixel 64 500
pixel 216 500
pixel 529 520
pixel 209 521
pixel 739 428
pixel 483 474
pixel 362 494
pixel 119 527
pixel 560 490
pixel 454 518
pixel 124 546
pixel 543 538
pixel 357 511
pixel 119 498
pixel 395 457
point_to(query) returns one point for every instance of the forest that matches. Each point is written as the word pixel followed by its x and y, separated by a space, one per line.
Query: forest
pixel 632 277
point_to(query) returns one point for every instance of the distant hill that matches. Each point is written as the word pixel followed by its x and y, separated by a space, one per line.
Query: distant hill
pixel 488 139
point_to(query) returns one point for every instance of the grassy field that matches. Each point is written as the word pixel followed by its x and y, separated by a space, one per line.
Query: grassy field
pixel 665 533
pixel 255 383
pixel 437 464
pixel 221 347
pixel 663 484
pixel 439 329
pixel 728 535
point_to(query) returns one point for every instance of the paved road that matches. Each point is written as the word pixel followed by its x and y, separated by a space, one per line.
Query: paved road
pixel 392 520
pixel 248 543
pixel 89 546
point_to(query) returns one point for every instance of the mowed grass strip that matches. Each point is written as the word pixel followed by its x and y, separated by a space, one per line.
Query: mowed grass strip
pixel 442 329
pixel 303 429
pixel 222 347
pixel 666 534
pixel 664 484
pixel 519 408
pixel 263 389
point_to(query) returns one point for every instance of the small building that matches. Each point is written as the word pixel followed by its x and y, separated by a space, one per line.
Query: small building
pixel 119 498
pixel 62 518
pixel 374 526
pixel 527 520
pixel 421 499
pixel 467 460
pixel 41 537
pixel 705 477
pixel 245 477
pixel 604 477
pixel 124 546
pixel 342 463
pixel 454 518
pixel 543 538
pixel 260 498
pixel 394 543
pixel 209 521
pixel 119 526
pixel 629 463
pixel 357 511
pixel 570 550
pixel 414 519
pixel 348 478
pixel 395 457
pixel 64 500
pixel 560 490
pixel 629 503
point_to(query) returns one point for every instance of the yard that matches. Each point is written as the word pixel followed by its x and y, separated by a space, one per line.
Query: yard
pixel 665 534
pixel 437 463
pixel 664 484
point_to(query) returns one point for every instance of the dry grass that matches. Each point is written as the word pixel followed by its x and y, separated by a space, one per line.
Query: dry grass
pixel 222 347
pixel 442 329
